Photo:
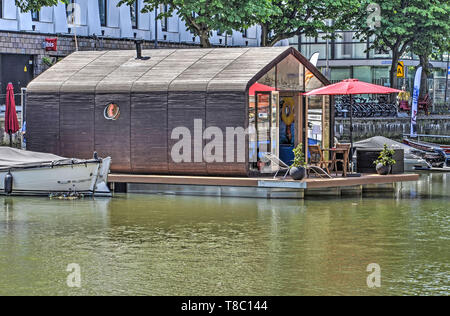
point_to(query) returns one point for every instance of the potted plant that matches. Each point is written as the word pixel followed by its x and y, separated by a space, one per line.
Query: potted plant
pixel 298 170
pixel 385 161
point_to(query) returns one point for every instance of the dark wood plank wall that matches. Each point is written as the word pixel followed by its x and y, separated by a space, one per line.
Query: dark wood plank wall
pixel 149 148
pixel 183 108
pixel 112 138
pixel 77 125
pixel 140 140
pixel 43 123
pixel 228 109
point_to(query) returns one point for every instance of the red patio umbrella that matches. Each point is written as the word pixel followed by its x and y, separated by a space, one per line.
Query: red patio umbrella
pixel 11 122
pixel 350 87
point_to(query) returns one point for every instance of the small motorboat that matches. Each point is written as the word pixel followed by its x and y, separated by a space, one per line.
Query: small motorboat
pixel 32 173
pixel 437 155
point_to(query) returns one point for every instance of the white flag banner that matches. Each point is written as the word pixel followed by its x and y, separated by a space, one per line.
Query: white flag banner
pixel 415 102
pixel 314 59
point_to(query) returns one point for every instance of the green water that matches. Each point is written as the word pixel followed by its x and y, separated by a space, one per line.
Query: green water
pixel 166 245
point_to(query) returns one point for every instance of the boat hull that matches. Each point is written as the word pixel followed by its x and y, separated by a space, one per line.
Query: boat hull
pixel 88 178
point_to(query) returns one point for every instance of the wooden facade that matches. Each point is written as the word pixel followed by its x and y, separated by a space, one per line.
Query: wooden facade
pixel 66 104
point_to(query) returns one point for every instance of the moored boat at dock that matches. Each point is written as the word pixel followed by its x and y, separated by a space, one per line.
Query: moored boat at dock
pixel 437 155
pixel 32 173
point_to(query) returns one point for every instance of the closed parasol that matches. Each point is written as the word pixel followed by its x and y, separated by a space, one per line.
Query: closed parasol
pixel 11 122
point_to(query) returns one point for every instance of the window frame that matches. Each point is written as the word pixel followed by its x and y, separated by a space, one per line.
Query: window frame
pixel 135 6
pixel 105 3
pixel 165 20
pixel 35 16
pixel 67 12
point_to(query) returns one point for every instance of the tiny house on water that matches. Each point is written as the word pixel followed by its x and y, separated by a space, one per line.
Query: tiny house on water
pixel 138 111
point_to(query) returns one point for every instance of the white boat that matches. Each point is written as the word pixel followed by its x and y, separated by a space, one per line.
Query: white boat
pixel 31 173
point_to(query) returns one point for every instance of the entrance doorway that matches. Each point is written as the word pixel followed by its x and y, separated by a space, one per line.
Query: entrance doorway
pixel 265 137
pixel 17 69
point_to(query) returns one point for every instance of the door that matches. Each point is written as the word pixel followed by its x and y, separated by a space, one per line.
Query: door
pixel 17 69
pixel 266 125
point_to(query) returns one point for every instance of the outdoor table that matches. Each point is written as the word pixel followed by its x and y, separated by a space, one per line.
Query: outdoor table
pixel 344 152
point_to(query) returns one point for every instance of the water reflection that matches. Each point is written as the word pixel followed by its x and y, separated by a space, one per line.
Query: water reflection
pixel 165 245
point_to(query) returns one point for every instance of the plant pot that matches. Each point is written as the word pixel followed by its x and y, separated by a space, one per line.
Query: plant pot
pixel 383 170
pixel 297 173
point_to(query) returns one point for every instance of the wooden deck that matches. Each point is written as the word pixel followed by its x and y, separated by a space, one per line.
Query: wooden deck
pixel 311 183
pixel 266 188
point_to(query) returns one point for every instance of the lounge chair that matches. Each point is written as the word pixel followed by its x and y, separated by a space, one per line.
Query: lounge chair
pixel 283 166
pixel 279 163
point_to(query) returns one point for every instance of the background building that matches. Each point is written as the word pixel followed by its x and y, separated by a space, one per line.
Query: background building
pixel 348 57
pixel 102 25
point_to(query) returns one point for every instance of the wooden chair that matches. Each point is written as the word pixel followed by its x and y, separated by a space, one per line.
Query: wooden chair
pixel 344 160
pixel 425 104
pixel 317 158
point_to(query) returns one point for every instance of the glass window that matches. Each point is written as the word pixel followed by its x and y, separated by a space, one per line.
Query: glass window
pixel 134 14
pixel 102 5
pixel 379 53
pixel 164 21
pixel 380 75
pixel 359 50
pixel 70 11
pixel 35 16
pixel 339 74
pixel 286 76
pixel 1 9
pixel 362 73
pixel 321 49
pixel 290 74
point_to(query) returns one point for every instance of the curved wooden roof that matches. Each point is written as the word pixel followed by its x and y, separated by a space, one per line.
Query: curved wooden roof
pixel 215 69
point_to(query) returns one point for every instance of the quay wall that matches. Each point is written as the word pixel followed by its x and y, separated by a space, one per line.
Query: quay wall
pixel 393 128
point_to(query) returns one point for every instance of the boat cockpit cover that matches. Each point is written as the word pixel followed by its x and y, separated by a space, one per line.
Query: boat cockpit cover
pixel 378 142
pixel 11 157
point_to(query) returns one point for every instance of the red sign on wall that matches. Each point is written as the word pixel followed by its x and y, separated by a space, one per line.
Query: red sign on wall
pixel 51 44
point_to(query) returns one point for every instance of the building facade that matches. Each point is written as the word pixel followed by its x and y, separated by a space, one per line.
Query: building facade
pixel 88 25
pixel 348 57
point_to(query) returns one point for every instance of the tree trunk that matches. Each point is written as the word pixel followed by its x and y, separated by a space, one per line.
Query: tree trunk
pixel 393 70
pixel 264 35
pixel 425 73
pixel 204 40
pixel 393 74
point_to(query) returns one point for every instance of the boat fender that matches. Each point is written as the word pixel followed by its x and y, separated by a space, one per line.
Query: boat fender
pixel 8 183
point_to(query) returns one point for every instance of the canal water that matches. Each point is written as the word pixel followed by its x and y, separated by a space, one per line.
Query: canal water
pixel 167 245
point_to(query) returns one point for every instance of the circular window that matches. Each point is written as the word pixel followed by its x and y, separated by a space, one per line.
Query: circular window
pixel 112 112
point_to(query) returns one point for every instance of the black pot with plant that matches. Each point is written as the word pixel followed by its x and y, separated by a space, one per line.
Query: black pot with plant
pixel 385 161
pixel 298 170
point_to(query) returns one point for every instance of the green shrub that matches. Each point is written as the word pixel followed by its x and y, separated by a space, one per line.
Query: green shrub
pixel 386 157
pixel 299 157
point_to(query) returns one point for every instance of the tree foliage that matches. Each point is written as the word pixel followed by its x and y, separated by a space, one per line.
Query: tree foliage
pixel 36 5
pixel 203 16
pixel 396 31
pixel 403 25
pixel 433 37
pixel 308 17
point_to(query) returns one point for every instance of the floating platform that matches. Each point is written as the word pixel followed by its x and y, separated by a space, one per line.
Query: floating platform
pixel 257 187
